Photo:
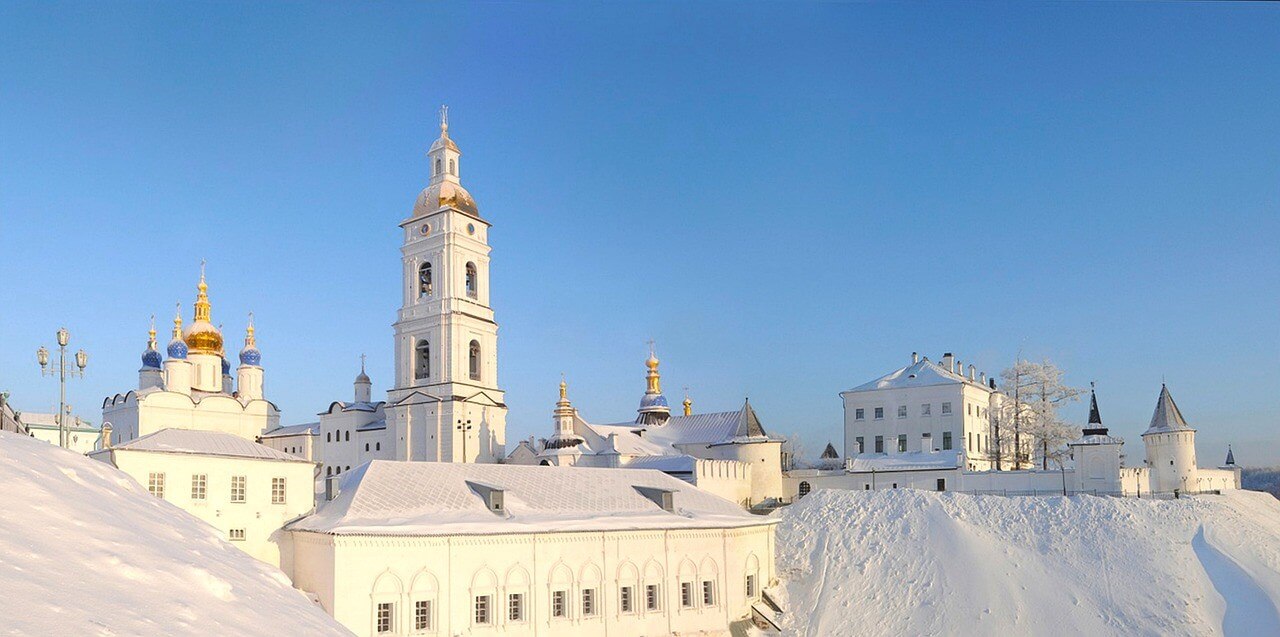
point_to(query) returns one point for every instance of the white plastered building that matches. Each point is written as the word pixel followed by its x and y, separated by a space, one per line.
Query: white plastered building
pixel 414 548
pixel 727 453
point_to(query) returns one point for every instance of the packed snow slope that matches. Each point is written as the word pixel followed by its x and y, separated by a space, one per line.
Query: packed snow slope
pixel 907 562
pixel 85 550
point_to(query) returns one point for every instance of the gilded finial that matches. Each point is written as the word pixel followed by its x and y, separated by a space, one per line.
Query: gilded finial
pixel 203 308
pixel 152 333
pixel 653 377
pixel 688 402
pixel 564 388
pixel 177 320
pixel 249 339
pixel 444 120
pixel 362 357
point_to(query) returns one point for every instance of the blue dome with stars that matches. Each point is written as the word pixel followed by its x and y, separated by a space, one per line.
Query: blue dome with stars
pixel 653 400
pixel 226 366
pixel 250 356
pixel 151 358
pixel 178 349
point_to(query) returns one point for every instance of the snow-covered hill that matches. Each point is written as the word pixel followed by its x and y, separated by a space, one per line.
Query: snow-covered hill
pixel 84 550
pixel 909 562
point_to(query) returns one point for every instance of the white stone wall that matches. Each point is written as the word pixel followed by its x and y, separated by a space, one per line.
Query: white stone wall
pixel 258 516
pixel 765 459
pixel 728 479
pixel 351 575
pixel 1171 457
pixel 968 422
pixel 133 416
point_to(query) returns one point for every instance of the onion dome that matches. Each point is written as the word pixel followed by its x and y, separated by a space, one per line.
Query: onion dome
pixel 178 347
pixel 653 409
pixel 226 366
pixel 446 194
pixel 151 357
pixel 250 354
pixel 202 336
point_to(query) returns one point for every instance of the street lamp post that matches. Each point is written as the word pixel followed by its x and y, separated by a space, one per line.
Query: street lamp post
pixel 464 426
pixel 81 361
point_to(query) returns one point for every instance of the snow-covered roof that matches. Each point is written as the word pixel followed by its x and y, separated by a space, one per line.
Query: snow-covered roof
pixel 386 497
pixel 1096 439
pixel 1167 417
pixel 207 443
pixel 713 428
pixel 308 429
pixel 87 551
pixel 373 426
pixel 922 373
pixel 37 420
pixel 667 464
pixel 913 460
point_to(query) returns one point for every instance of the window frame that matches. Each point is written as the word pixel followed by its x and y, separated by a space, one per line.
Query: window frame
pixel 482 610
pixel 515 607
pixel 686 595
pixel 878 413
pixel 423 622
pixel 626 599
pixel 709 593
pixel 155 484
pixel 200 487
pixel 590 605
pixel 279 491
pixel 653 598
pixel 560 604
pixel 239 495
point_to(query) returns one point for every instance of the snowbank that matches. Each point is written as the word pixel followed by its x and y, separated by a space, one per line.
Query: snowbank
pixel 85 550
pixel 909 562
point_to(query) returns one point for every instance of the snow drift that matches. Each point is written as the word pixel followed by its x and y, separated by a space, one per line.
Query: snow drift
pixel 85 550
pixel 909 562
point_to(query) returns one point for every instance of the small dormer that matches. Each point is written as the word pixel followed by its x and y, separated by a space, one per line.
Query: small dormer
pixel 492 496
pixel 664 498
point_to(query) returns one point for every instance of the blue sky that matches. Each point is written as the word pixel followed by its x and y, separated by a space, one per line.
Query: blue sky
pixel 788 199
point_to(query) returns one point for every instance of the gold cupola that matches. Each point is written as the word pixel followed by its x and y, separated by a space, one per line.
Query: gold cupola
pixel 202 337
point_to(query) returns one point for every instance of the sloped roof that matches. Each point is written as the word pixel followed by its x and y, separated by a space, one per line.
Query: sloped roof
pixel 829 453
pixel 712 428
pixel 867 462
pixel 923 373
pixel 209 443
pixel 1167 417
pixel 386 497
pixel 309 429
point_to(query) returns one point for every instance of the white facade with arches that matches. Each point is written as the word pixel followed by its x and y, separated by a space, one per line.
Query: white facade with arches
pixel 418 549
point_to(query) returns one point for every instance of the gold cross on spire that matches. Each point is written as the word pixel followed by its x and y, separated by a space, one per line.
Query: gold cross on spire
pixel 444 119
pixel 362 357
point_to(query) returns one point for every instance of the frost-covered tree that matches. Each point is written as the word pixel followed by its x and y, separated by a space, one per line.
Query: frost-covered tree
pixel 1035 392
pixel 793 452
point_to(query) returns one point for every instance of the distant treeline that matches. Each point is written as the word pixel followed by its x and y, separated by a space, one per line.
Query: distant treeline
pixel 1262 479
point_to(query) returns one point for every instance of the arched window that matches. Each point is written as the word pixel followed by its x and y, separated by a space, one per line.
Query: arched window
pixel 804 489
pixel 424 279
pixel 437 171
pixel 475 360
pixel 473 286
pixel 423 367
pixel 453 167
pixel 348 436
pixel 328 436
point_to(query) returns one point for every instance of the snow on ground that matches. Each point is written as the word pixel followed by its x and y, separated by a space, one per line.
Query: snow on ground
pixel 85 550
pixel 908 562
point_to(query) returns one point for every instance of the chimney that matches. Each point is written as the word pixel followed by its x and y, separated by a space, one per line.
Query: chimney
pixel 982 378
pixel 106 435
pixel 972 371
pixel 992 382
pixel 948 362
pixel 330 488
pixel 915 357
pixel 959 368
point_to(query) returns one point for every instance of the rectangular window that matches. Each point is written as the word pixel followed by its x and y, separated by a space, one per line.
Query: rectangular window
pixel 482 610
pixel 652 601
pixel 588 602
pixel 942 484
pixel 559 603
pixel 751 586
pixel 946 440
pixel 879 413
pixel 237 488
pixel 277 491
pixel 946 409
pixel 902 411
pixel 879 444
pixel 859 442
pixel 625 602
pixel 968 407
pixel 155 484
pixel 902 443
pixel 422 615
pixel 926 409
pixel 686 594
pixel 708 593
pixel 236 535
pixel 199 486
pixel 515 607
pixel 969 442
pixel 859 414
pixel 386 612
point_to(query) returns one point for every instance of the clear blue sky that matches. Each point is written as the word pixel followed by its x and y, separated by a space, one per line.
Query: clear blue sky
pixel 789 199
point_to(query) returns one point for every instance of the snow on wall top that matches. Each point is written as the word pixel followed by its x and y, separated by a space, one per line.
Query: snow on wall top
pixel 909 461
pixel 212 443
pixel 87 551
pixel 309 429
pixel 955 564
pixel 386 497
pixel 1167 417
pixel 922 373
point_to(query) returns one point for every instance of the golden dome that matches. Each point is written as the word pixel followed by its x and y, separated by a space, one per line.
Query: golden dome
pixel 446 194
pixel 201 336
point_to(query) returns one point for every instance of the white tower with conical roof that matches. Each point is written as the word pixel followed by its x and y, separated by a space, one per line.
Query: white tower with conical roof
pixel 446 404
pixel 1171 448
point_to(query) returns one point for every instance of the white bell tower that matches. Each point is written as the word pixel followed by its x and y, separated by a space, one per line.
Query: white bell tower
pixel 446 405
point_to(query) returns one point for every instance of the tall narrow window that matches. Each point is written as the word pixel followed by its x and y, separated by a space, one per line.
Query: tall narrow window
pixel 473 284
pixel 453 166
pixel 515 607
pixel 588 602
pixel 625 603
pixel 199 484
pixel 475 360
pixel 277 491
pixel 902 443
pixel 386 612
pixel 686 594
pixel 423 367
pixel 652 601
pixel 559 603
pixel 946 440
pixel 751 586
pixel 708 593
pixel 859 443
pixel 879 444
pixel 237 488
pixel 155 484
pixel 482 609
pixel 424 279
pixel 438 169
pixel 422 615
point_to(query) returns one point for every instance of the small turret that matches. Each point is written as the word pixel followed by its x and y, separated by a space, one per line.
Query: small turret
pixel 177 369
pixel 363 385
pixel 249 376
pixel 654 409
pixel 149 375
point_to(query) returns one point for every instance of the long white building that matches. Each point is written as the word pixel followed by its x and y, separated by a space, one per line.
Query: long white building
pixel 410 548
